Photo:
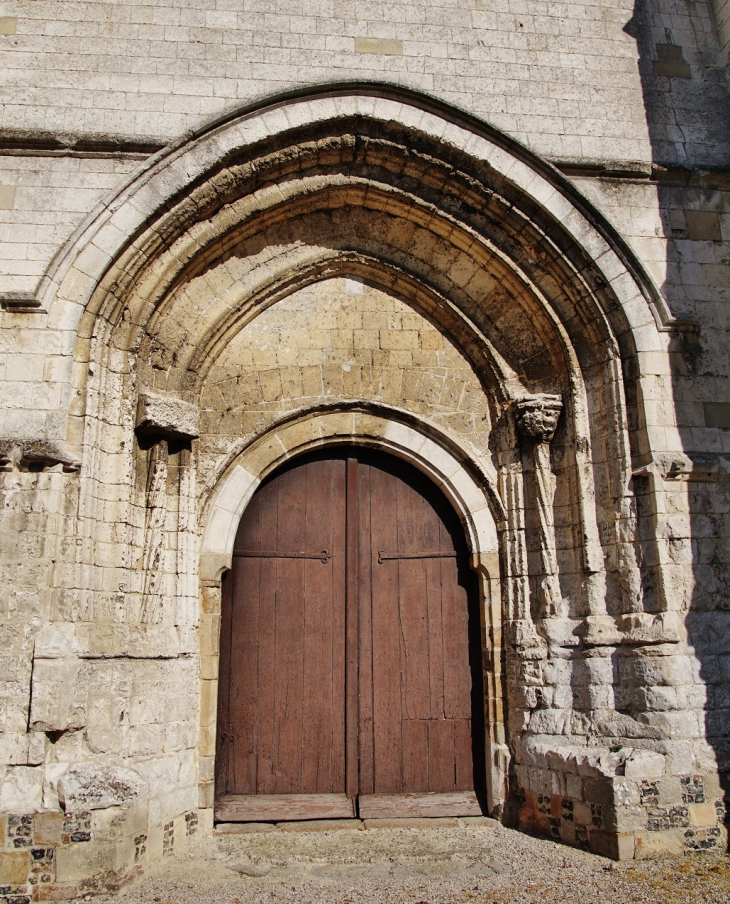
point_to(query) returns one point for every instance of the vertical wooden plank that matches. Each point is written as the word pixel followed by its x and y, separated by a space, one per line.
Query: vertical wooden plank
pixel 351 630
pixel 266 675
pixel 476 661
pixel 365 569
pixel 288 693
pixel 244 660
pixel 432 540
pixel 289 664
pixel 434 600
pixel 412 606
pixel 322 730
pixel 317 599
pixel 415 755
pixel 317 666
pixel 387 740
pixel 457 671
pixel 441 771
pixel 245 578
pixel 464 755
pixel 337 651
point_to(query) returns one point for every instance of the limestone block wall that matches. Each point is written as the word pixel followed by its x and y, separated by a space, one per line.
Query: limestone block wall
pixel 80 687
pixel 562 80
pixel 45 200
pixel 340 339
pixel 615 83
pixel 615 707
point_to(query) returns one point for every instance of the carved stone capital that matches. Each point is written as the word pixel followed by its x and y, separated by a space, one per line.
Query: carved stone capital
pixel 537 417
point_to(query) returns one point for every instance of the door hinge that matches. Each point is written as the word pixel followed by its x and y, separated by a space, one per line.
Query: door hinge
pixel 387 556
pixel 322 556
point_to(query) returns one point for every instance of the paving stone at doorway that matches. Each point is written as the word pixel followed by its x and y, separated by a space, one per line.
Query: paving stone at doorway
pixel 321 825
pixel 244 828
pixel 430 822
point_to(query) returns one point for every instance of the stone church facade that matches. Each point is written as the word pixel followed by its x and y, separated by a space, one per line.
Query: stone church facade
pixel 490 239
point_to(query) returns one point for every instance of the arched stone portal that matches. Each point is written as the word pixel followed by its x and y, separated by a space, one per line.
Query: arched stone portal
pixel 352 648
pixel 365 265
pixel 469 489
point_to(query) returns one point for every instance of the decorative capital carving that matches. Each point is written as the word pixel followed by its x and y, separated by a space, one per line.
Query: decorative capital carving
pixel 537 417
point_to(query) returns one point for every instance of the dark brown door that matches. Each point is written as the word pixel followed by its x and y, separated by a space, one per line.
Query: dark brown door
pixel 350 673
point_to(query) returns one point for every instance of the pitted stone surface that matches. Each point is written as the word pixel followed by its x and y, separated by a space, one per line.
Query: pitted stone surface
pixel 95 787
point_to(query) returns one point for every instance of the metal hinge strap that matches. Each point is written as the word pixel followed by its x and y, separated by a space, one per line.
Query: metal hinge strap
pixel 385 556
pixel 322 556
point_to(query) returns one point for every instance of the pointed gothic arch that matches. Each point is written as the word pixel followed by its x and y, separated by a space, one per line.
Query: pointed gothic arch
pixel 555 316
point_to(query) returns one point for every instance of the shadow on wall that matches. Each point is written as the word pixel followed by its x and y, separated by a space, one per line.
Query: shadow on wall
pixel 688 115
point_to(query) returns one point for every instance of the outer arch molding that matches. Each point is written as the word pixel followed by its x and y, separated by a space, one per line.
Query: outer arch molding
pixel 81 265
pixel 434 455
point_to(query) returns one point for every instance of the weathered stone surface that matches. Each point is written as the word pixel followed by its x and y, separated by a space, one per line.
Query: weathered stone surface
pixel 159 415
pixel 644 764
pixel 47 828
pixel 14 866
pixel 21 789
pixel 92 786
pixel 58 702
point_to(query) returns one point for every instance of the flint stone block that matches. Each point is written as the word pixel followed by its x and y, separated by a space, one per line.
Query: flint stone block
pixel 91 786
pixel 167 417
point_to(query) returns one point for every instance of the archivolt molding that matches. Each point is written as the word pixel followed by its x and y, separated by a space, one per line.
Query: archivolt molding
pixel 252 193
pixel 79 268
pixel 186 186
pixel 440 457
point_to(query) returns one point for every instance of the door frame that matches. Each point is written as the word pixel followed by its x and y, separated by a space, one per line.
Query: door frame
pixel 469 483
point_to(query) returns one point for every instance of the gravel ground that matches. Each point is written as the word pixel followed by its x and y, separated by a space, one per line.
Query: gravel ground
pixel 479 864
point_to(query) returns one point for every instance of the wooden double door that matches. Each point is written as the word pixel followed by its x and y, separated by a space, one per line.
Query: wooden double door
pixel 350 660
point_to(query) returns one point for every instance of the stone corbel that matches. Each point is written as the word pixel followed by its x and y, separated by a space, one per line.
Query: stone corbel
pixel 680 466
pixel 633 629
pixel 25 454
pixel 166 417
pixel 537 419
